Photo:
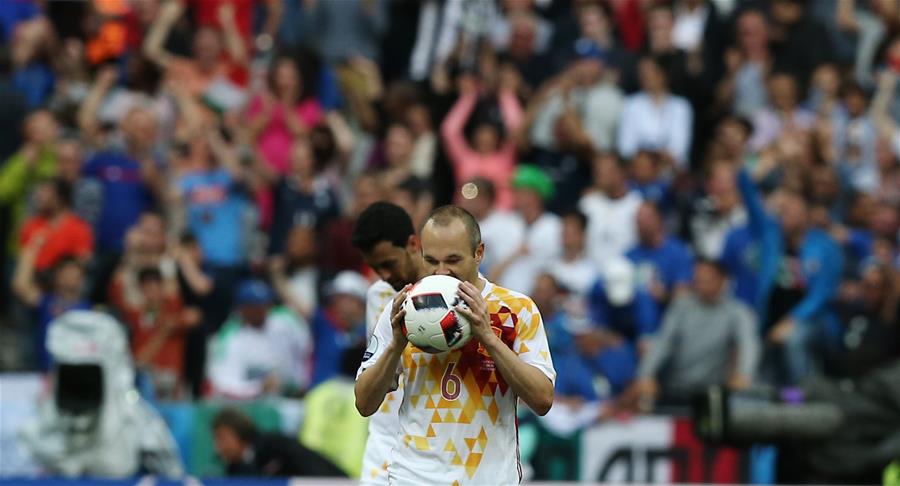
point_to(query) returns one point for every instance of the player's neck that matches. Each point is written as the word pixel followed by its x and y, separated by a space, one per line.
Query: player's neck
pixel 479 283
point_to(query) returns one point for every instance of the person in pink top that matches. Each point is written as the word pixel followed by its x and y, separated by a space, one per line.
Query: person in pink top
pixel 488 155
pixel 279 115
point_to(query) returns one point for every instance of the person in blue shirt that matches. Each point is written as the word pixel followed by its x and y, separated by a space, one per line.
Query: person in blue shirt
pixel 620 318
pixel 647 180
pixel 220 215
pixel 560 312
pixel 66 293
pixel 664 263
pixel 798 273
pixel 740 259
pixel 126 193
pixel 340 325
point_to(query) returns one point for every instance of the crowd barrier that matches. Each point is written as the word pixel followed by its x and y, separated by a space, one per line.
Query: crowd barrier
pixel 644 449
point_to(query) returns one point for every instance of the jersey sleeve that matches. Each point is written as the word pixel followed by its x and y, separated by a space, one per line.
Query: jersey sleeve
pixel 531 341
pixel 378 342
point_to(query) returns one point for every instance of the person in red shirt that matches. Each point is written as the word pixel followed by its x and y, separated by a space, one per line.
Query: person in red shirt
pixel 158 323
pixel 65 234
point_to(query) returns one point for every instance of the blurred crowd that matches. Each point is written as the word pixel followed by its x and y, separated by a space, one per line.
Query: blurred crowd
pixel 694 192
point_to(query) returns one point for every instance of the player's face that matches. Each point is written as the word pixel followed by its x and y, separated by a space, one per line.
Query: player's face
pixel 227 444
pixel 447 250
pixel 395 265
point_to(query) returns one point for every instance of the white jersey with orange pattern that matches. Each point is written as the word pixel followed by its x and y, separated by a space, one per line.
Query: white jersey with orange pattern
pixel 385 423
pixel 458 415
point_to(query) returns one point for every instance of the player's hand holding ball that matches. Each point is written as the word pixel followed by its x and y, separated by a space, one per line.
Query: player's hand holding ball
pixel 398 317
pixel 476 312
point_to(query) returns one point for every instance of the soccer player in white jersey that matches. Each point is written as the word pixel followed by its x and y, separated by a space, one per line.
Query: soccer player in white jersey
pixel 458 415
pixel 385 235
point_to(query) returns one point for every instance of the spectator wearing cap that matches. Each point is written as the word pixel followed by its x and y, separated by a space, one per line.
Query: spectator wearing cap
pixel 488 153
pixel 501 230
pixel 340 324
pixel 798 272
pixel 542 238
pixel 663 262
pixel 611 207
pixel 620 316
pixel 656 119
pixel 262 349
pixel 707 338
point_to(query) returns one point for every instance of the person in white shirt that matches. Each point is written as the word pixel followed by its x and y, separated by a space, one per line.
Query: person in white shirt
pixel 384 234
pixel 655 119
pixel 501 231
pixel 261 349
pixel 574 270
pixel 458 416
pixel 584 89
pixel 610 207
pixel 542 240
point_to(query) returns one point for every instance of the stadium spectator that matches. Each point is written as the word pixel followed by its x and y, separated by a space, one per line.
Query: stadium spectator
pixel 542 231
pixel 563 315
pixel 33 162
pixel 490 153
pixel 748 62
pixel 797 275
pixel 194 284
pixel 261 350
pixel 573 270
pixel 710 219
pixel 87 194
pixel 294 274
pixel 346 29
pixel 331 425
pixel 583 88
pixel 301 196
pixel 706 338
pixel 782 113
pixel 63 234
pixel 621 318
pixel 663 263
pixel 415 197
pixel 66 292
pixel 247 451
pixel 870 330
pixel 339 324
pixel 655 119
pixel 157 321
pixel 647 177
pixel 611 208
pixel 218 58
pixel 501 230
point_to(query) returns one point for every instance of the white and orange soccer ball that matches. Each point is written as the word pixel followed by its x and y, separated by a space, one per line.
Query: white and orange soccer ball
pixel 431 324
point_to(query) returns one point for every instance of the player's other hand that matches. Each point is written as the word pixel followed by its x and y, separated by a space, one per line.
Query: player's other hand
pixel 398 318
pixel 476 312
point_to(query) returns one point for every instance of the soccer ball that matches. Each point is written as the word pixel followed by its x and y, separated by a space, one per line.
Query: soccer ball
pixel 431 324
